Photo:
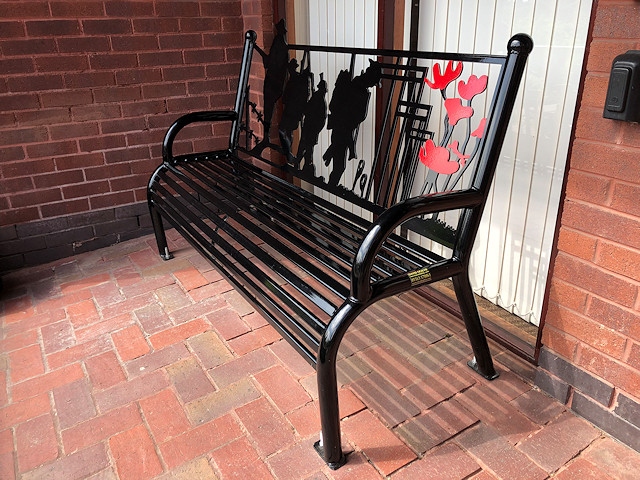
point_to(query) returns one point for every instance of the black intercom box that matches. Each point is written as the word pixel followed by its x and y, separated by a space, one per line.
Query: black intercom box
pixel 623 94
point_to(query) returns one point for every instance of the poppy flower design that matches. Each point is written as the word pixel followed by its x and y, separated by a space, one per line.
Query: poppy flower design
pixel 456 111
pixel 472 87
pixel 461 156
pixel 441 80
pixel 479 132
pixel 437 158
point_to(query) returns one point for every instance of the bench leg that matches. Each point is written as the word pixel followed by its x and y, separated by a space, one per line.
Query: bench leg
pixel 482 362
pixel 158 229
pixel 330 447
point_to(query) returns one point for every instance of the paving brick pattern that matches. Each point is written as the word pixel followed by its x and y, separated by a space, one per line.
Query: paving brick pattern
pixel 115 364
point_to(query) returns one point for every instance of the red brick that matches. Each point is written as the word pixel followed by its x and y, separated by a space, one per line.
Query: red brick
pixel 106 26
pixel 305 420
pixel 22 135
pixel 267 428
pixel 134 454
pixel 619 259
pixel 60 63
pixel 87 282
pixel 7 467
pixel 36 443
pixel 83 464
pixel 128 9
pixel 79 352
pixel 512 425
pixel 46 28
pixel 625 198
pixel 157 359
pixel 447 462
pixel 620 161
pixel 559 341
pixel 290 358
pixel 74 403
pixel 577 243
pixel 130 343
pixel 239 368
pixel 26 363
pixel 614 372
pixel 582 469
pixel 156 25
pixel 614 458
pixel 100 428
pixel 61 178
pixel 595 89
pixel 104 370
pixel 594 279
pixel 47 382
pixel 298 461
pixel 83 313
pixel 228 323
pixel 95 112
pixel 211 351
pixel 589 331
pixel 200 440
pixel 254 340
pixel 190 380
pixel 30 46
pixel 28 199
pixel 38 83
pixel 568 295
pixel 134 43
pixel 239 459
pixel 103 142
pixel 179 333
pixel 190 278
pixel 178 9
pixel 282 388
pixel 435 426
pixel 21 411
pixel 493 450
pixel 57 336
pixel 109 200
pixel 379 444
pixel 165 415
pixel 66 98
pixel 560 441
pixel 131 391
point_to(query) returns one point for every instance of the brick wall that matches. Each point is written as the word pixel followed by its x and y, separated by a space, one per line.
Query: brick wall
pixel 87 91
pixel 591 357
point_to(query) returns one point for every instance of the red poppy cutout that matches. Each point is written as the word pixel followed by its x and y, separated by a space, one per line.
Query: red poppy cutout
pixel 456 110
pixel 461 156
pixel 479 132
pixel 441 80
pixel 473 87
pixel 437 158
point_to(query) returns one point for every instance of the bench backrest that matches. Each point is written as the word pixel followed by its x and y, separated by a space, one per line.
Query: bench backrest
pixel 369 127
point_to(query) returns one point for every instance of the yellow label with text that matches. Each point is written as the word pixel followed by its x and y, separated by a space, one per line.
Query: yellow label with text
pixel 419 276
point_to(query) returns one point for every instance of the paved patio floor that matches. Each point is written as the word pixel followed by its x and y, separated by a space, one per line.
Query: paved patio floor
pixel 118 365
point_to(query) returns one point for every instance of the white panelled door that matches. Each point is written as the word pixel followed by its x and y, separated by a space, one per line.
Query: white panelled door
pixel 511 257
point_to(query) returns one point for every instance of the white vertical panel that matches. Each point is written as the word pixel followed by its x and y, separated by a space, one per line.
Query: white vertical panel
pixel 511 255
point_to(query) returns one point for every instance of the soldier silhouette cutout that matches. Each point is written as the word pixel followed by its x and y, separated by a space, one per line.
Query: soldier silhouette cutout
pixel 275 64
pixel 294 99
pixel 348 109
pixel 315 116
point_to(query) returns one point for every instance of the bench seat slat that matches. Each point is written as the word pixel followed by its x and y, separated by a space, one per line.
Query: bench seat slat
pixel 210 238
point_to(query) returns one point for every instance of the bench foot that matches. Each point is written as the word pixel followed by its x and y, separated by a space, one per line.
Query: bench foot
pixel 332 465
pixel 166 255
pixel 474 365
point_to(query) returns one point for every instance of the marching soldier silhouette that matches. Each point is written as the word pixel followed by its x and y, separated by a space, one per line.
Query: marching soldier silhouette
pixel 348 108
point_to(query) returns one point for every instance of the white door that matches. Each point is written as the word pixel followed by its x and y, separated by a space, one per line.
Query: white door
pixel 511 257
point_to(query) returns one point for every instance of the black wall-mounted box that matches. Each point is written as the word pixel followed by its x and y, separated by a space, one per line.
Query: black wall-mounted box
pixel 623 94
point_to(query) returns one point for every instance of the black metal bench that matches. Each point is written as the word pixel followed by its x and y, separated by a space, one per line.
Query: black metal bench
pixel 350 175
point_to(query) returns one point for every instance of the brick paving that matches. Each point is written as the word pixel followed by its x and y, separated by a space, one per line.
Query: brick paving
pixel 117 365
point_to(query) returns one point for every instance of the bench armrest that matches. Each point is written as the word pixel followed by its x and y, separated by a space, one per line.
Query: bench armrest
pixel 389 220
pixel 180 123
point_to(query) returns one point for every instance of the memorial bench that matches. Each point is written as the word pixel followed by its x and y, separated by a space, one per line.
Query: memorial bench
pixel 351 175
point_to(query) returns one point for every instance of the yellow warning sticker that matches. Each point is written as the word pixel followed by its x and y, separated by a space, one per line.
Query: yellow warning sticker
pixel 419 276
